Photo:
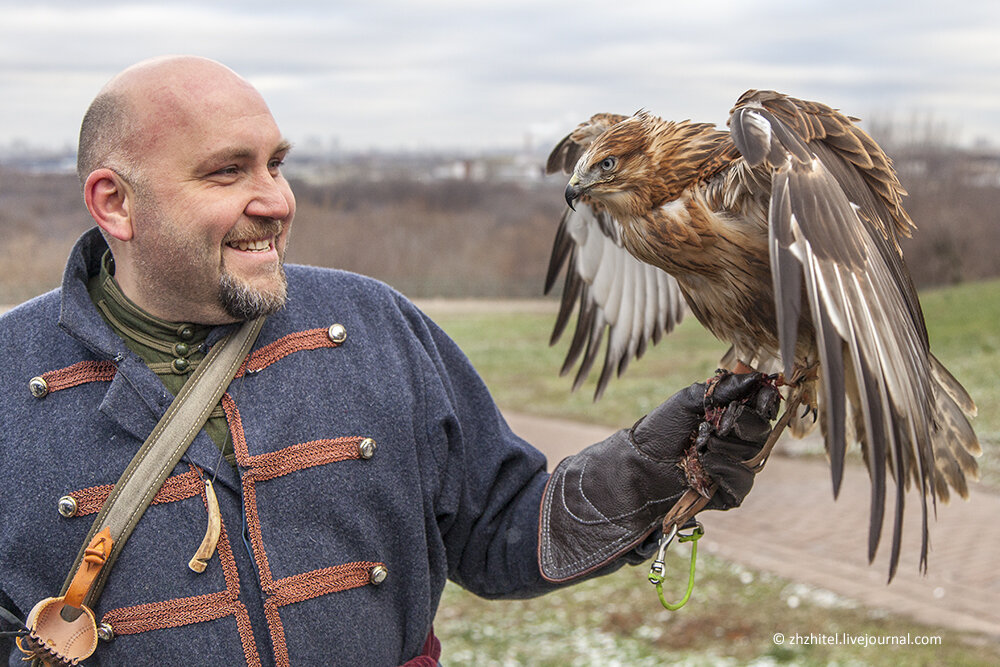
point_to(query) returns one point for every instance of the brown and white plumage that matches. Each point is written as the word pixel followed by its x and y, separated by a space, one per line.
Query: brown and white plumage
pixel 781 237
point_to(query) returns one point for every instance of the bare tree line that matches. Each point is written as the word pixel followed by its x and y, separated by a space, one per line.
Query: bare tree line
pixel 954 198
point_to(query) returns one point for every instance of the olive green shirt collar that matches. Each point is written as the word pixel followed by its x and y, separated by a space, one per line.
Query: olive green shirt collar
pixel 152 338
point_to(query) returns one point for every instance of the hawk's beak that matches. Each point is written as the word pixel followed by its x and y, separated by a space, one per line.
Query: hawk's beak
pixel 573 191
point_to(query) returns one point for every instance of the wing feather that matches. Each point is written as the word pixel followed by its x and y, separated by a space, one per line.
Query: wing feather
pixel 614 293
pixel 833 228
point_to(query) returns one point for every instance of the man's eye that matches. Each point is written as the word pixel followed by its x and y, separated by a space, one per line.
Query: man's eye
pixel 231 170
pixel 275 164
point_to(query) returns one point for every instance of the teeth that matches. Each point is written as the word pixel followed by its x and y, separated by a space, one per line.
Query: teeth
pixel 252 246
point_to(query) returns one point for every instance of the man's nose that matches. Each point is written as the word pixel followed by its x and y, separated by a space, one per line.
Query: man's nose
pixel 272 197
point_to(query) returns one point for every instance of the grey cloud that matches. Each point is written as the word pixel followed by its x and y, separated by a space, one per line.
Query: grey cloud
pixel 447 72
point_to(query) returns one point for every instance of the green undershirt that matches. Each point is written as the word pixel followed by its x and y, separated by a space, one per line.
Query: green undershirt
pixel 172 350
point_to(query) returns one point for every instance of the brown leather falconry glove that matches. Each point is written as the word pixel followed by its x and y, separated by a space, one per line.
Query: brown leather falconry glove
pixel 609 498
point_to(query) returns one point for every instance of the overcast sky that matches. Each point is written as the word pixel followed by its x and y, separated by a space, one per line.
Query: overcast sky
pixel 498 73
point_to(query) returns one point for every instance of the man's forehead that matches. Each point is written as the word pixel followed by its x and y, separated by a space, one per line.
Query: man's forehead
pixel 194 103
pixel 218 122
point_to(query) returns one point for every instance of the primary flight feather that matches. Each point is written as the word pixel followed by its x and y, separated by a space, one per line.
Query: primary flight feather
pixel 781 236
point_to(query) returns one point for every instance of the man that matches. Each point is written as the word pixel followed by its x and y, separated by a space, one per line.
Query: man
pixel 358 460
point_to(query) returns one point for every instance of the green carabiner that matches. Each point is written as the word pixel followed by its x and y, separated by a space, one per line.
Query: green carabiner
pixel 656 570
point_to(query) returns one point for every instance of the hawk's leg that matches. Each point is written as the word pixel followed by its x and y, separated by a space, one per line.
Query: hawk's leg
pixel 804 381
pixel 800 392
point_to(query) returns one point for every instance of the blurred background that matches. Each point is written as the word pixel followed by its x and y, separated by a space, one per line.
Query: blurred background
pixel 420 131
pixel 420 128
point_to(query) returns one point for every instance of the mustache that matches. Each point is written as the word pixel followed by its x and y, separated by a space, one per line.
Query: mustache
pixel 256 228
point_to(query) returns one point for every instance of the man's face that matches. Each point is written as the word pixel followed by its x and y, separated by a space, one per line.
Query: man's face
pixel 213 211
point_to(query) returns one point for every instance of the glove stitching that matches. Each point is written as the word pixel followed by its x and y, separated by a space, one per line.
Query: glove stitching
pixel 606 519
pixel 635 447
pixel 602 554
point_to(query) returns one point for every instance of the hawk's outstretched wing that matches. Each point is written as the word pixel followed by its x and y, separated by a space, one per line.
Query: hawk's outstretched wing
pixel 635 302
pixel 834 216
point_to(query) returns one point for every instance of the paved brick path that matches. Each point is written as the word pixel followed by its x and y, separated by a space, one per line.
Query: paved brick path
pixel 790 525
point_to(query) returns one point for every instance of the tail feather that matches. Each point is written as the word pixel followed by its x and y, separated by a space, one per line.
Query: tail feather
pixel 956 445
pixel 955 448
pixel 954 389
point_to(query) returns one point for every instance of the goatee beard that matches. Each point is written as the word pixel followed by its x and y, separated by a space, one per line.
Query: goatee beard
pixel 242 302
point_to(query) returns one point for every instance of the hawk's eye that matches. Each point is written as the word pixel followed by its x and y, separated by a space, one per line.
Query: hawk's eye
pixel 608 163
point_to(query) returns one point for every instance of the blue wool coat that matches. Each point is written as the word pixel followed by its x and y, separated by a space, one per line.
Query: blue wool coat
pixel 450 491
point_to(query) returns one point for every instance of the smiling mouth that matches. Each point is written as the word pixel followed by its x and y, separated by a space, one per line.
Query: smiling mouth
pixel 260 245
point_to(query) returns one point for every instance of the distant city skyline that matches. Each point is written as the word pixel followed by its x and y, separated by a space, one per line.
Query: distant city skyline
pixel 451 75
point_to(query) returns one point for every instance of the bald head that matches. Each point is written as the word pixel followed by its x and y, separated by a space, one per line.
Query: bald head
pixel 143 103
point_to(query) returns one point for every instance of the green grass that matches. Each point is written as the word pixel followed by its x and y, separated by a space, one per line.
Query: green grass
pixel 735 612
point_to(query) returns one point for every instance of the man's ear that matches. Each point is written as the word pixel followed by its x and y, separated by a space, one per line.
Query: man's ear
pixel 110 199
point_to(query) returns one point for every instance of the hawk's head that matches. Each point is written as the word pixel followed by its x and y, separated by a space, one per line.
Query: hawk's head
pixel 644 162
pixel 617 169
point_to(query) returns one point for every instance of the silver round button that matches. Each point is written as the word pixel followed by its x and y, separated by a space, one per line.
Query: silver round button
pixel 67 506
pixel 105 632
pixel 38 386
pixel 366 448
pixel 378 574
pixel 337 333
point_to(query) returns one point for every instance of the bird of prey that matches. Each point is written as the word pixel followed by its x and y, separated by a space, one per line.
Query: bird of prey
pixel 781 236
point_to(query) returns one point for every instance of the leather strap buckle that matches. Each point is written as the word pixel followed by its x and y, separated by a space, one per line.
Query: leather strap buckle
pixel 62 630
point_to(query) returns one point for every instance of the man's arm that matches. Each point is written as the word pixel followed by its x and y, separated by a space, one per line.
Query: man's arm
pixel 490 505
